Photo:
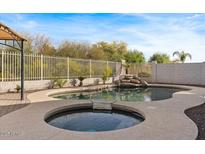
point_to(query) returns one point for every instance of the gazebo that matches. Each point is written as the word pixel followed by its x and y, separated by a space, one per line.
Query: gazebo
pixel 13 40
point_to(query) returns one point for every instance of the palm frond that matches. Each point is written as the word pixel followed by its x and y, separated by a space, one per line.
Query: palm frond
pixel 188 55
pixel 176 53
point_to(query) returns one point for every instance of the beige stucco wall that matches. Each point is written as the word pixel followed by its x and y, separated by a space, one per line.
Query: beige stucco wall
pixel 187 73
pixel 28 85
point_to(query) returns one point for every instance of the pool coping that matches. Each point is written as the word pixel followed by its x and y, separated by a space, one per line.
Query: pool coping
pixel 46 95
pixel 164 119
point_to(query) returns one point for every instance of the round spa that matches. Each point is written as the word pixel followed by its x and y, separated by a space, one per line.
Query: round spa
pixel 89 120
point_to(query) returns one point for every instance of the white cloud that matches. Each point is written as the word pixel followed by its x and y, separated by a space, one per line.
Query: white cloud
pixel 20 21
pixel 148 33
pixel 168 35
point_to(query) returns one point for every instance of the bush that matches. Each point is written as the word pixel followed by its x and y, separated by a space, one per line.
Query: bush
pixel 58 83
pixel 107 73
pixel 73 82
pixel 104 78
pixel 18 88
pixel 81 78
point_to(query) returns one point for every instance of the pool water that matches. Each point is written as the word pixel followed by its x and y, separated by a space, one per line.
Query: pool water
pixel 123 94
pixel 94 121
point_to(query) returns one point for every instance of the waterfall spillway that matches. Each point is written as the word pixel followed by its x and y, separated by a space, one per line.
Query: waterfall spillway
pixel 102 104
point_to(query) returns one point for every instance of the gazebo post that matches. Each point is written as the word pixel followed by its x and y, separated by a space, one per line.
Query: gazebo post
pixel 6 34
pixel 22 71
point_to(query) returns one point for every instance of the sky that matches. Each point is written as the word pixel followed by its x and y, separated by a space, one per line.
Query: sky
pixel 148 33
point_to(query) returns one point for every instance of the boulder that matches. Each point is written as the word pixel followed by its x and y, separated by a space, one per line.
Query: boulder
pixel 135 81
pixel 128 76
pixel 125 81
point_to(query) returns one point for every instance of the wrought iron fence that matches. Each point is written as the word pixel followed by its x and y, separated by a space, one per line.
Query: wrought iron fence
pixel 39 67
pixel 141 70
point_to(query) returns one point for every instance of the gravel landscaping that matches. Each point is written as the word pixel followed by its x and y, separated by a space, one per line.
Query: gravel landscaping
pixel 10 108
pixel 197 114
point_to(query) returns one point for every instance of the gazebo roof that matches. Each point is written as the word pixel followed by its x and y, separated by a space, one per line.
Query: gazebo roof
pixel 8 34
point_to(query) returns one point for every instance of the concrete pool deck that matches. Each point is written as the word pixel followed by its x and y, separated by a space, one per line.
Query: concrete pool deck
pixel 164 119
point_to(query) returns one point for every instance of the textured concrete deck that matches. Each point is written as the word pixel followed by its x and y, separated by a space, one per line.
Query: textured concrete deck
pixel 163 119
pixel 10 102
pixel 11 99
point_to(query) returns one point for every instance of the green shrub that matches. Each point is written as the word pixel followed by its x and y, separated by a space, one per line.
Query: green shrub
pixel 73 82
pixel 81 78
pixel 18 88
pixel 104 78
pixel 107 73
pixel 58 83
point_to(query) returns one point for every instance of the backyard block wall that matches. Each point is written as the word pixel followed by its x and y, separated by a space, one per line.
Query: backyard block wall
pixel 187 73
pixel 41 84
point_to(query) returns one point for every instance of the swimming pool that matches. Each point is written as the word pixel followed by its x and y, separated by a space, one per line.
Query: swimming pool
pixel 123 94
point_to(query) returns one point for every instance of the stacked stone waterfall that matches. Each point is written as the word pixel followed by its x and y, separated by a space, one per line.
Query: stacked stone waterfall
pixel 132 80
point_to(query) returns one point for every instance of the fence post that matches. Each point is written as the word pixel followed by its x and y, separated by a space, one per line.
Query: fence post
pixel 41 67
pixel 68 70
pixel 90 68
pixel 2 66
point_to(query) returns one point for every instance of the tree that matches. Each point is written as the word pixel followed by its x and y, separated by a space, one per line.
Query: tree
pixel 127 66
pixel 160 58
pixel 134 57
pixel 28 46
pixel 42 44
pixel 96 53
pixel 39 44
pixel 114 51
pixel 78 69
pixel 182 55
pixel 73 49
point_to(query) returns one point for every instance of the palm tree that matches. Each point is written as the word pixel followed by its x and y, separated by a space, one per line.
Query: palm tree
pixel 182 55
pixel 127 66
